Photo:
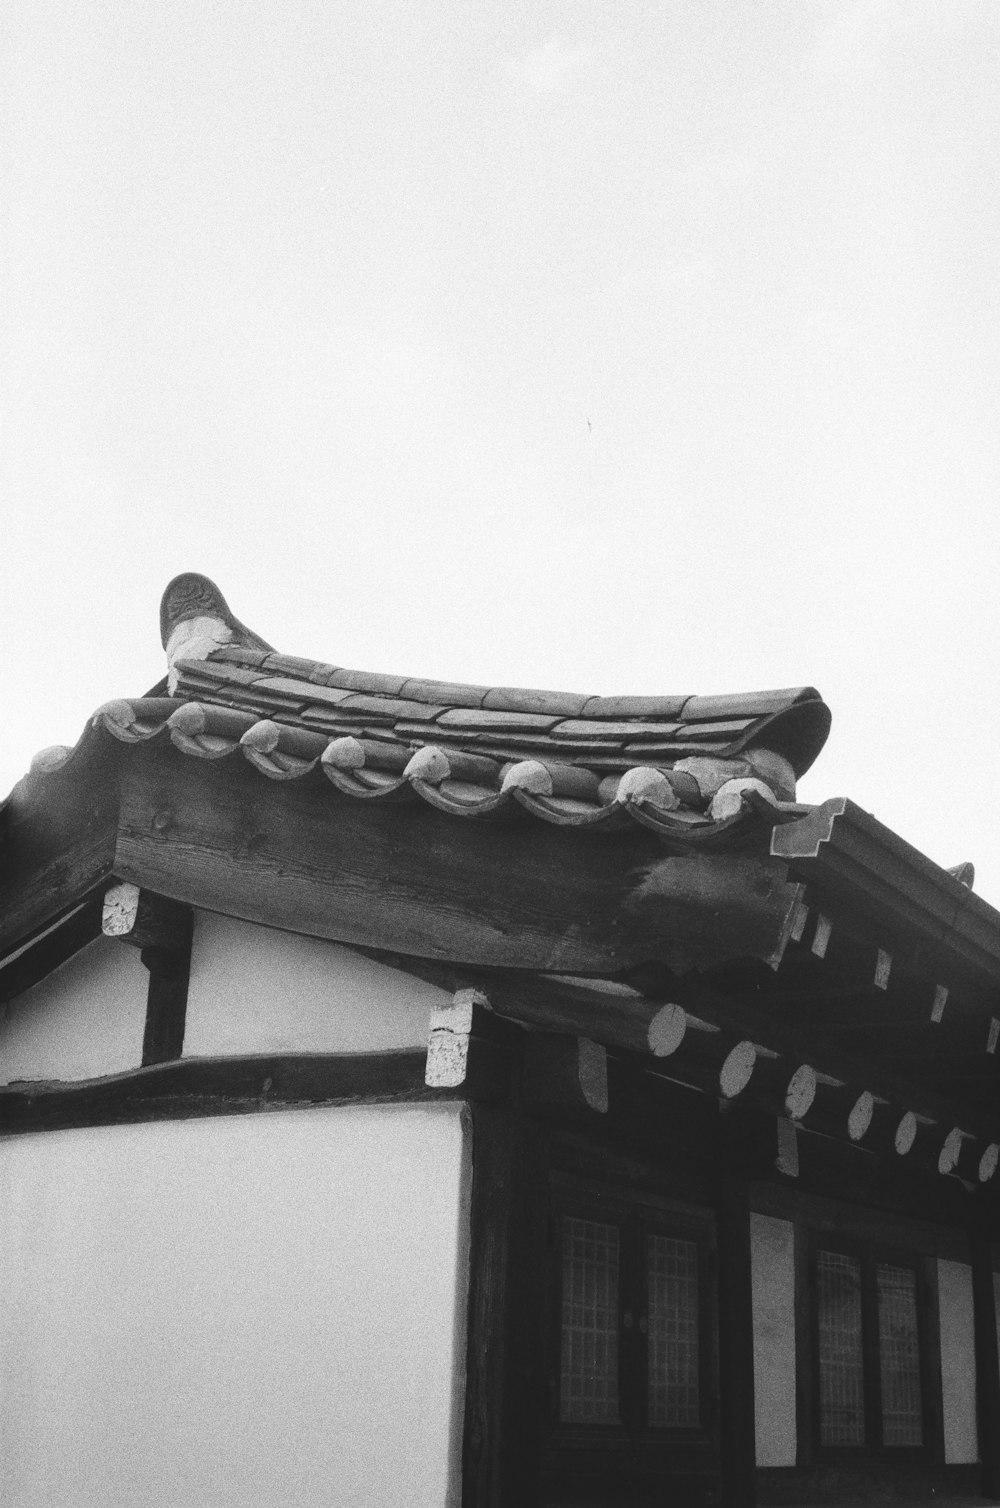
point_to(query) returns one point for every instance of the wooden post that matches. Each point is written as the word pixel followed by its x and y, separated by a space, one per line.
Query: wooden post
pixel 495 1455
pixel 987 1364
pixel 737 1430
pixel 161 929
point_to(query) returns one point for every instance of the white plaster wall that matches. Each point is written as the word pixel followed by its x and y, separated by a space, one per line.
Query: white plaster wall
pixel 958 1361
pixel 257 990
pixel 772 1248
pixel 85 1020
pixel 245 1312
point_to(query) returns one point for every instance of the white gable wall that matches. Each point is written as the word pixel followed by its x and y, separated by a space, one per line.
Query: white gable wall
pixel 242 1312
pixel 85 1020
pixel 257 990
pixel 252 990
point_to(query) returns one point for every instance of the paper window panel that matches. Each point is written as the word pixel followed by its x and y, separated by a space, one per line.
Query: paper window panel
pixel 672 1297
pixel 899 1356
pixel 841 1354
pixel 588 1392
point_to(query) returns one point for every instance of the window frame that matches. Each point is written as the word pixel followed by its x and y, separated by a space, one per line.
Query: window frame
pixel 871 1255
pixel 638 1215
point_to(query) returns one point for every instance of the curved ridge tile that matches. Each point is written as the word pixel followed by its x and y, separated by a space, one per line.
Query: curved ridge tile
pixel 538 777
pixel 47 761
pixel 280 752
pixel 207 732
pixel 460 798
pixel 645 783
pixel 729 800
pixel 433 765
pixel 135 721
pixel 363 781
pixel 564 811
pixel 798 733
pixel 668 707
pixel 548 703
pixel 750 704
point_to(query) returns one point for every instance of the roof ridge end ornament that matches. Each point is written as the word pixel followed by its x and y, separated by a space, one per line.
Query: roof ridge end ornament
pixel 196 619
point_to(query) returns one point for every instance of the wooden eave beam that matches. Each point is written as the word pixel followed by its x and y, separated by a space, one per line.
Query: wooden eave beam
pixel 217 1086
pixel 59 841
pixel 622 1021
pixel 406 878
pixel 848 854
pixel 29 965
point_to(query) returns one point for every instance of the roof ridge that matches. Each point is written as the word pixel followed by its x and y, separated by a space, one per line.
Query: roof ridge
pixel 686 707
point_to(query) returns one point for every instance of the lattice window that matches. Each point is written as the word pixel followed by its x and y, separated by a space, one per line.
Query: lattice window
pixel 899 1356
pixel 588 1392
pixel 672 1283
pixel 841 1350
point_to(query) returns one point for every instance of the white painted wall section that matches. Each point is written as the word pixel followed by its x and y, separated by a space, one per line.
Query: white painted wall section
pixel 84 1021
pixel 772 1252
pixel 246 1312
pixel 958 1362
pixel 256 990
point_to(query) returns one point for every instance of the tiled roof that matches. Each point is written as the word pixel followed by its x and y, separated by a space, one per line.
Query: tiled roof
pixel 687 766
pixel 691 768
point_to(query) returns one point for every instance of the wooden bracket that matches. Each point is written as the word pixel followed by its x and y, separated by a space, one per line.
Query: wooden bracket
pixel 448 1040
pixel 467 1048
pixel 162 929
pixel 145 920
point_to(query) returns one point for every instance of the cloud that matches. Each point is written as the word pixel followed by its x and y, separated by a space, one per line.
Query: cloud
pixel 549 66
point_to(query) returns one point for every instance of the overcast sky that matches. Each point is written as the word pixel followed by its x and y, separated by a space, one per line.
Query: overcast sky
pixel 604 347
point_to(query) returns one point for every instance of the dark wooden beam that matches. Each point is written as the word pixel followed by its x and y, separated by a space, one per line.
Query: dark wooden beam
pixel 145 920
pixel 793 1036
pixel 846 853
pixel 59 840
pixel 51 949
pixel 568 1073
pixel 494 1180
pixel 406 878
pixel 737 1428
pixel 162 929
pixel 217 1086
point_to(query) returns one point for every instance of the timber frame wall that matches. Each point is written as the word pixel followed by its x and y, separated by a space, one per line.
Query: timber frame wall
pixel 669 1141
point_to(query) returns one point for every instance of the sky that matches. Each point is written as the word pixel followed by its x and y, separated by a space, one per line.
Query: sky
pixel 604 347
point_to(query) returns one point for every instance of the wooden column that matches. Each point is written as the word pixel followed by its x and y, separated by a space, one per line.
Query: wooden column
pixel 737 1431
pixel 987 1366
pixel 161 929
pixel 492 1292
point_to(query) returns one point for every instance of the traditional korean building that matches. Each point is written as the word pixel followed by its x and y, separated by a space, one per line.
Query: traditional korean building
pixel 422 1094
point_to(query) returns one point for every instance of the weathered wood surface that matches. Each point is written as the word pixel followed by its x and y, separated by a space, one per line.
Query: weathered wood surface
pixel 146 920
pixel 735 1303
pixel 58 840
pixel 621 1016
pixel 216 1086
pixel 567 1073
pixel 166 1011
pixel 494 1180
pixel 423 883
pixel 51 950
pixel 850 855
